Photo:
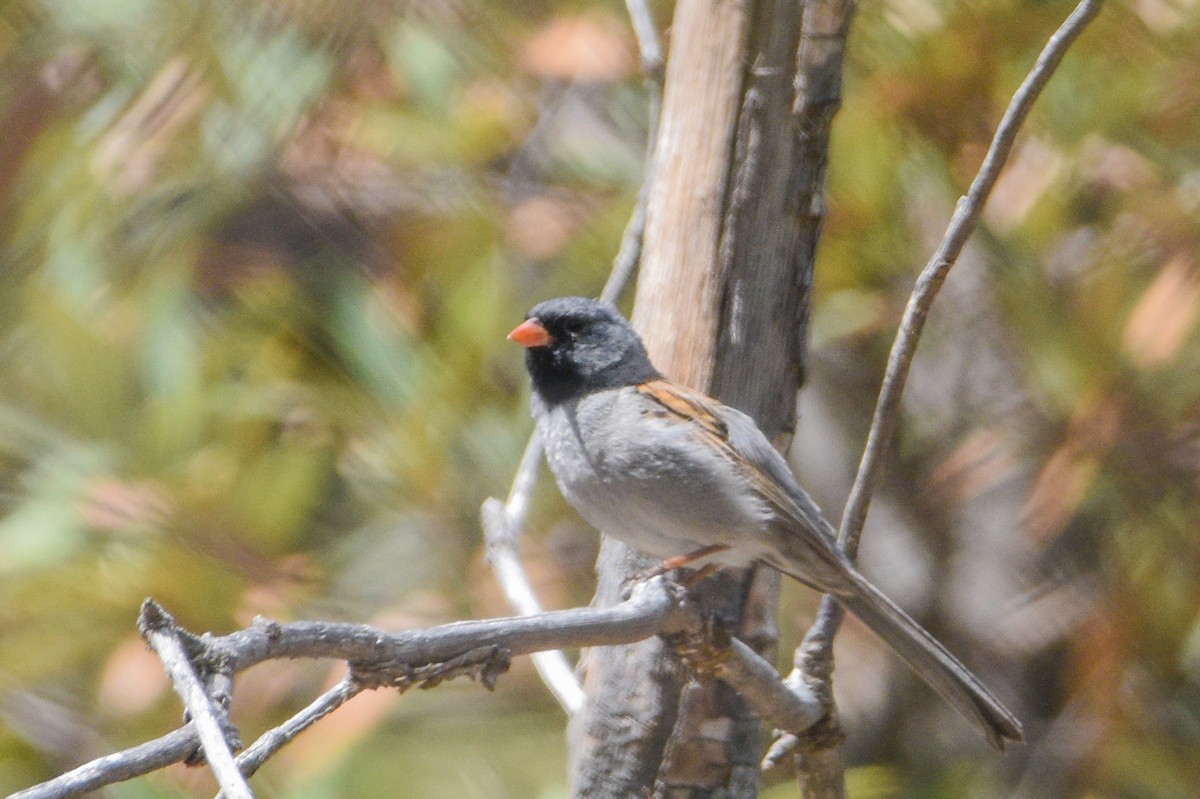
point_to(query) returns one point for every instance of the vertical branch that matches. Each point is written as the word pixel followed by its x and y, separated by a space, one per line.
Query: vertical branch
pixel 723 282
pixel 619 739
pixel 651 57
pixel 685 208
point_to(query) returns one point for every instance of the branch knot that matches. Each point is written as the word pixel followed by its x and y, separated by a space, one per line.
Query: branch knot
pixel 485 663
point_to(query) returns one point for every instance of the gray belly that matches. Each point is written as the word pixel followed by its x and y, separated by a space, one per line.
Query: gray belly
pixel 653 489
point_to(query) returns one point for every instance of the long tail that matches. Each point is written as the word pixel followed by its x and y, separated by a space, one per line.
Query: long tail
pixel 931 661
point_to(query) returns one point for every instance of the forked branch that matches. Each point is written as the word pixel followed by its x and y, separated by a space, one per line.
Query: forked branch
pixel 377 659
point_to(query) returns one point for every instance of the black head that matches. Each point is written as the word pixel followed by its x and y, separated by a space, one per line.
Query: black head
pixel 574 346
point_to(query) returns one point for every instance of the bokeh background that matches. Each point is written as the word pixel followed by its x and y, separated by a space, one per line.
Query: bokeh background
pixel 259 258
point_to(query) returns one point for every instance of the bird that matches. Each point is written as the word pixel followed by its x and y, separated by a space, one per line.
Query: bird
pixel 673 472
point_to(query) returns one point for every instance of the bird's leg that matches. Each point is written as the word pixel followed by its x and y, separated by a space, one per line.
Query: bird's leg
pixel 679 561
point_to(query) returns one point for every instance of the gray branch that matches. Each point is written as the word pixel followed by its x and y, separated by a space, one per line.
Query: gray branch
pixel 271 741
pixel 425 657
pixel 503 524
pixel 174 747
pixel 785 705
pixel 826 760
pixel 162 634
pixel 962 224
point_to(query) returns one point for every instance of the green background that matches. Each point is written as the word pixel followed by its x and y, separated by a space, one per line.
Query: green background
pixel 259 259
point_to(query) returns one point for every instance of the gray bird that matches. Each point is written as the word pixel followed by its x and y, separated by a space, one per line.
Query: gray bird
pixel 672 472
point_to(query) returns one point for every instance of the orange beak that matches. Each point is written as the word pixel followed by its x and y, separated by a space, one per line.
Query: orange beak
pixel 531 333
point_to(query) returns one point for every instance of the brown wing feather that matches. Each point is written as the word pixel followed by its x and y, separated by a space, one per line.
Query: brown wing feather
pixel 829 568
pixel 690 406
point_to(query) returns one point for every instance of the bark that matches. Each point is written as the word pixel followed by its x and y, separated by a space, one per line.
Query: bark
pixel 732 221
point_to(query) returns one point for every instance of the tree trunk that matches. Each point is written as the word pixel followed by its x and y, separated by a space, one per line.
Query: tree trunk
pixel 723 296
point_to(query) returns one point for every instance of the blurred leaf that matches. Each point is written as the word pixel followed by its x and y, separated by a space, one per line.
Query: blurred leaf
pixel 260 261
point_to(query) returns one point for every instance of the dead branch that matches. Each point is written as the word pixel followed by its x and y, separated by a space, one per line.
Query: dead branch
pixel 819 654
pixel 423 658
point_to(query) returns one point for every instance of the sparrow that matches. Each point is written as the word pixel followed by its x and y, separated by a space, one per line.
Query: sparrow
pixel 671 472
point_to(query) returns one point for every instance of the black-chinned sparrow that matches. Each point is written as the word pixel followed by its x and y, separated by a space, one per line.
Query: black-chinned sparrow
pixel 671 471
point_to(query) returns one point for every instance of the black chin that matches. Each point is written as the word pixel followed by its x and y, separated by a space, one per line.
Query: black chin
pixel 552 382
pixel 559 375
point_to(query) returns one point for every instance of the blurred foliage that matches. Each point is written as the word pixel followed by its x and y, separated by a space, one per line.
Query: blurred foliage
pixel 260 258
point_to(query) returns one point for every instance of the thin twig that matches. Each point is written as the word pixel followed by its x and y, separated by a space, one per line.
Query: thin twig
pixel 651 55
pixel 649 44
pixel 174 747
pixel 962 224
pixel 630 253
pixel 552 665
pixel 966 215
pixel 503 527
pixel 160 632
pixel 271 741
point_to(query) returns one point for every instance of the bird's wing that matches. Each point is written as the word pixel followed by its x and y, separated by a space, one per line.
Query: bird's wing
pixel 809 546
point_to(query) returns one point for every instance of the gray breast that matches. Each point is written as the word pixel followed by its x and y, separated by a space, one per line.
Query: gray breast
pixel 645 479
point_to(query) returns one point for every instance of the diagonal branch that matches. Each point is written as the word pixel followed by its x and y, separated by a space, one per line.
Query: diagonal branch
pixel 160 631
pixel 785 705
pixel 814 658
pixel 962 224
pixel 503 524
pixel 174 747
pixel 271 741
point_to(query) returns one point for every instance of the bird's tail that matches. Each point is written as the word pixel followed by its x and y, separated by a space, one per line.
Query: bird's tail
pixel 931 661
